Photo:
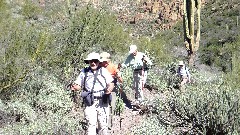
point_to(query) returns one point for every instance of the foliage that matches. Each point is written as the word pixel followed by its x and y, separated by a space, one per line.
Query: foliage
pixel 40 106
pixel 232 78
pixel 58 38
pixel 156 49
pixel 151 126
pixel 119 107
pixel 219 29
pixel 209 107
pixel 127 76
pixel 64 48
pixel 30 10
pixel 23 47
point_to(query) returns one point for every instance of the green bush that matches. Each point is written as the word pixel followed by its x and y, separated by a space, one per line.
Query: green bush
pixel 209 107
pixel 40 106
pixel 232 78
pixel 151 126
pixel 219 29
pixel 30 10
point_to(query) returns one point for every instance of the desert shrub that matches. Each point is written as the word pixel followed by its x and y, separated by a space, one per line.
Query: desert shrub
pixel 156 49
pixel 219 29
pixel 30 10
pixel 59 50
pixel 156 80
pixel 40 106
pixel 151 126
pixel 127 76
pixel 22 48
pixel 232 78
pixel 94 30
pixel 209 107
pixel 89 30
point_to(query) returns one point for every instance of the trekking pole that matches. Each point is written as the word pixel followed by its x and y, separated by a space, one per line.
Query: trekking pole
pixel 119 108
pixel 111 116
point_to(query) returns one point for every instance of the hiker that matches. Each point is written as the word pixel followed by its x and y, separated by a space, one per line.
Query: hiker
pixel 183 73
pixel 96 85
pixel 140 63
pixel 114 71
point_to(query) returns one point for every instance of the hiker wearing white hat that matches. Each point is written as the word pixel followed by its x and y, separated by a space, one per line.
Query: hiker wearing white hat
pixel 96 85
pixel 140 63
pixel 113 69
pixel 183 73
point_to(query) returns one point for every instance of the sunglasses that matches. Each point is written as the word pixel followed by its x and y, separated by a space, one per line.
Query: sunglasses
pixel 94 60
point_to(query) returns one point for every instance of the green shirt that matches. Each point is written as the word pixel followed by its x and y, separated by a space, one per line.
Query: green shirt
pixel 135 62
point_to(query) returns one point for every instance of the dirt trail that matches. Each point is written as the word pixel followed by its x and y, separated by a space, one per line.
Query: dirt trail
pixel 130 118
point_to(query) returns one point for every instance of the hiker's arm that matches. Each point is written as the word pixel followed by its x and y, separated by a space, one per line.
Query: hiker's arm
pixel 119 78
pixel 118 74
pixel 147 60
pixel 76 85
pixel 127 62
pixel 110 87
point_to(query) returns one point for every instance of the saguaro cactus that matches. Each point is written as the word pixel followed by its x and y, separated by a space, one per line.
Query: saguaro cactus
pixel 191 42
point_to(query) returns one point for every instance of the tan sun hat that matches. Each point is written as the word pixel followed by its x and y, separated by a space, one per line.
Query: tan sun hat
pixel 132 48
pixel 105 56
pixel 180 63
pixel 92 56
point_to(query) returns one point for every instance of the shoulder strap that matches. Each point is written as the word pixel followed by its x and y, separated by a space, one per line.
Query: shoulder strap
pixel 103 76
pixel 186 70
pixel 86 70
pixel 178 70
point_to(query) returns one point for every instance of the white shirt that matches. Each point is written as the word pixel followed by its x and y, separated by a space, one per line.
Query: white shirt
pixel 95 82
pixel 183 71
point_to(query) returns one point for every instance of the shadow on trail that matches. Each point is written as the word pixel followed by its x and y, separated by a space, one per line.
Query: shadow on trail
pixel 126 100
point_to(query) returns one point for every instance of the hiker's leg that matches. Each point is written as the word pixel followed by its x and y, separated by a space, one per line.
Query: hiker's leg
pixel 184 81
pixel 135 84
pixel 103 116
pixel 140 86
pixel 139 79
pixel 145 78
pixel 91 117
pixel 113 105
pixel 114 97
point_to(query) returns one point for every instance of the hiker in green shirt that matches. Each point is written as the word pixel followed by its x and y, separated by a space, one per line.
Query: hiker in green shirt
pixel 140 63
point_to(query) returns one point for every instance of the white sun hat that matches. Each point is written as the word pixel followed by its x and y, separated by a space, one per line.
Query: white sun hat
pixel 132 48
pixel 105 56
pixel 92 56
pixel 180 63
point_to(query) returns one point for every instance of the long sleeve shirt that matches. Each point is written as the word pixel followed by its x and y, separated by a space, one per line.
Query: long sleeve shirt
pixel 136 62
